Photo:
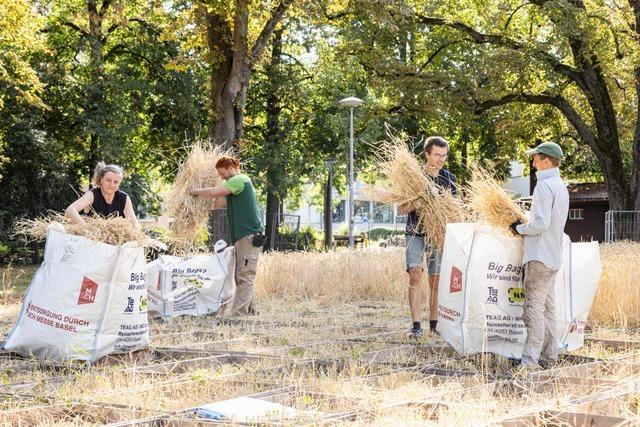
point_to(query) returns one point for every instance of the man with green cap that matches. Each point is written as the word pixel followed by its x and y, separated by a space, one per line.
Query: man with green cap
pixel 543 235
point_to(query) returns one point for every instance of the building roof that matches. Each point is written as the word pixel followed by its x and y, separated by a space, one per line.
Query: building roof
pixel 588 191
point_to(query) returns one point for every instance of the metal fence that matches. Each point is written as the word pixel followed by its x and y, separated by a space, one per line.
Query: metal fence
pixel 285 235
pixel 622 225
pixel 218 227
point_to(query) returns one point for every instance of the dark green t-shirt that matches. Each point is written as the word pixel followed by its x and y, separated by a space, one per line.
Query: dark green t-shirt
pixel 242 207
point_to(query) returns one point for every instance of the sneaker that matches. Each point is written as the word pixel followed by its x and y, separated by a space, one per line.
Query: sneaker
pixel 416 333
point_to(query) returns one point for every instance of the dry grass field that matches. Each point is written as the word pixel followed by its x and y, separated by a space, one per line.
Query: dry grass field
pixel 330 341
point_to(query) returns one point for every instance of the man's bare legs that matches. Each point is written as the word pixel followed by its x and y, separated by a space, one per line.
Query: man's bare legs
pixel 416 293
pixel 433 301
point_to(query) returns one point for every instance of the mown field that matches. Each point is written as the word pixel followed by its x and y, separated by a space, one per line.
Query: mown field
pixel 330 340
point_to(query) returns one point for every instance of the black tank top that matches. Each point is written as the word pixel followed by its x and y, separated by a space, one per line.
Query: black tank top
pixel 101 207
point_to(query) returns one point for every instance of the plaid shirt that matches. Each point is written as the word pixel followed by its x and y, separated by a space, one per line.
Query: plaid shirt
pixel 444 180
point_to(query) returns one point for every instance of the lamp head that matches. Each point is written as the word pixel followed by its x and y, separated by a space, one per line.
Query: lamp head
pixel 350 102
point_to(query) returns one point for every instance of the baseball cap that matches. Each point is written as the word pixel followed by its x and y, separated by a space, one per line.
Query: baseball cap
pixel 549 148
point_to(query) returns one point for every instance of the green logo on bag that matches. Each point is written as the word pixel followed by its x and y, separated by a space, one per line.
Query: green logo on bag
pixel 194 281
pixel 143 303
pixel 516 295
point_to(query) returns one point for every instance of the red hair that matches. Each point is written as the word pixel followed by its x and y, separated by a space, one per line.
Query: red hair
pixel 227 161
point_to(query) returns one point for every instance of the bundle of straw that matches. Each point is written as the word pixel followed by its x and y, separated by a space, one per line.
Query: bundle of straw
pixel 408 184
pixel 198 170
pixel 112 230
pixel 489 201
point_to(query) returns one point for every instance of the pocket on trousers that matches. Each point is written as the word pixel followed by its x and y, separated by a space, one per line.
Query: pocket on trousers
pixel 249 261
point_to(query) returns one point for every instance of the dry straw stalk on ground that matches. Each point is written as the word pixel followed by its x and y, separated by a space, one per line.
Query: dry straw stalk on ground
pixel 335 277
pixel 111 230
pixel 407 183
pixel 198 170
pixel 379 274
pixel 489 201
pixel 617 302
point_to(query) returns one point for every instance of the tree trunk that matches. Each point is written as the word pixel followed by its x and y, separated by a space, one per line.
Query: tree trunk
pixel 95 98
pixel 230 72
pixel 272 221
pixel 93 157
pixel 231 65
pixel 219 36
pixel 273 141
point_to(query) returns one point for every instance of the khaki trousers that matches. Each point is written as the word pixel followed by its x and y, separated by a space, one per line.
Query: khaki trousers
pixel 244 301
pixel 539 314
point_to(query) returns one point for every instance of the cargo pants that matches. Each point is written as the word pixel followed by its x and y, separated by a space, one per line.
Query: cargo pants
pixel 244 301
pixel 539 315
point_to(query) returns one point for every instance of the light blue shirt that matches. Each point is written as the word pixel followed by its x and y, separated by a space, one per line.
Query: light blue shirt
pixel 549 209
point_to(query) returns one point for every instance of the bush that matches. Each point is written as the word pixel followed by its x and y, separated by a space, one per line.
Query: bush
pixel 343 229
pixel 310 238
pixel 380 233
pixel 17 251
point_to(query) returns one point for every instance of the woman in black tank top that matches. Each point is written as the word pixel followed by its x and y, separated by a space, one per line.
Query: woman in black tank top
pixel 100 206
pixel 105 199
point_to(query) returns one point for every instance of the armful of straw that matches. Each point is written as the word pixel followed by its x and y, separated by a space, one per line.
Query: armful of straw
pixel 406 208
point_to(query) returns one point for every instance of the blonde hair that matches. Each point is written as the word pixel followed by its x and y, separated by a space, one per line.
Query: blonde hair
pixel 101 170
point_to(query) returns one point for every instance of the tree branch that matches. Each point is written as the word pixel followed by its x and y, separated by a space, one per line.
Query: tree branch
pixel 114 27
pixel 327 15
pixel 122 48
pixel 276 16
pixel 105 6
pixel 110 30
pixel 435 54
pixel 614 34
pixel 297 62
pixel 555 100
pixel 499 40
pixel 506 24
pixel 77 28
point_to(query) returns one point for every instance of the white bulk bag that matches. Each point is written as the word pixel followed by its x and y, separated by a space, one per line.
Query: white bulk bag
pixel 195 286
pixel 480 292
pixel 87 300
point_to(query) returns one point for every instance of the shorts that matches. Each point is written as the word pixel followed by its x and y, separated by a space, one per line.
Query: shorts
pixel 415 250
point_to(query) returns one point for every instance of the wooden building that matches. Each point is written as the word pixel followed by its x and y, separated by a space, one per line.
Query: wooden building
pixel 588 203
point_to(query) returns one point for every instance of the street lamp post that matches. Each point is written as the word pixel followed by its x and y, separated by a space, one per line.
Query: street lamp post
pixel 328 208
pixel 351 103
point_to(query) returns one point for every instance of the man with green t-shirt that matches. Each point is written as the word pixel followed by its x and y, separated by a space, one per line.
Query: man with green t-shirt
pixel 244 224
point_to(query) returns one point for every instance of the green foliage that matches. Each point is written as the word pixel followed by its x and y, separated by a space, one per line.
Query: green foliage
pixel 343 229
pixel 122 104
pixel 20 40
pixel 380 233
pixel 146 201
pixel 311 239
pixel 133 95
pixel 125 106
pixel 33 178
